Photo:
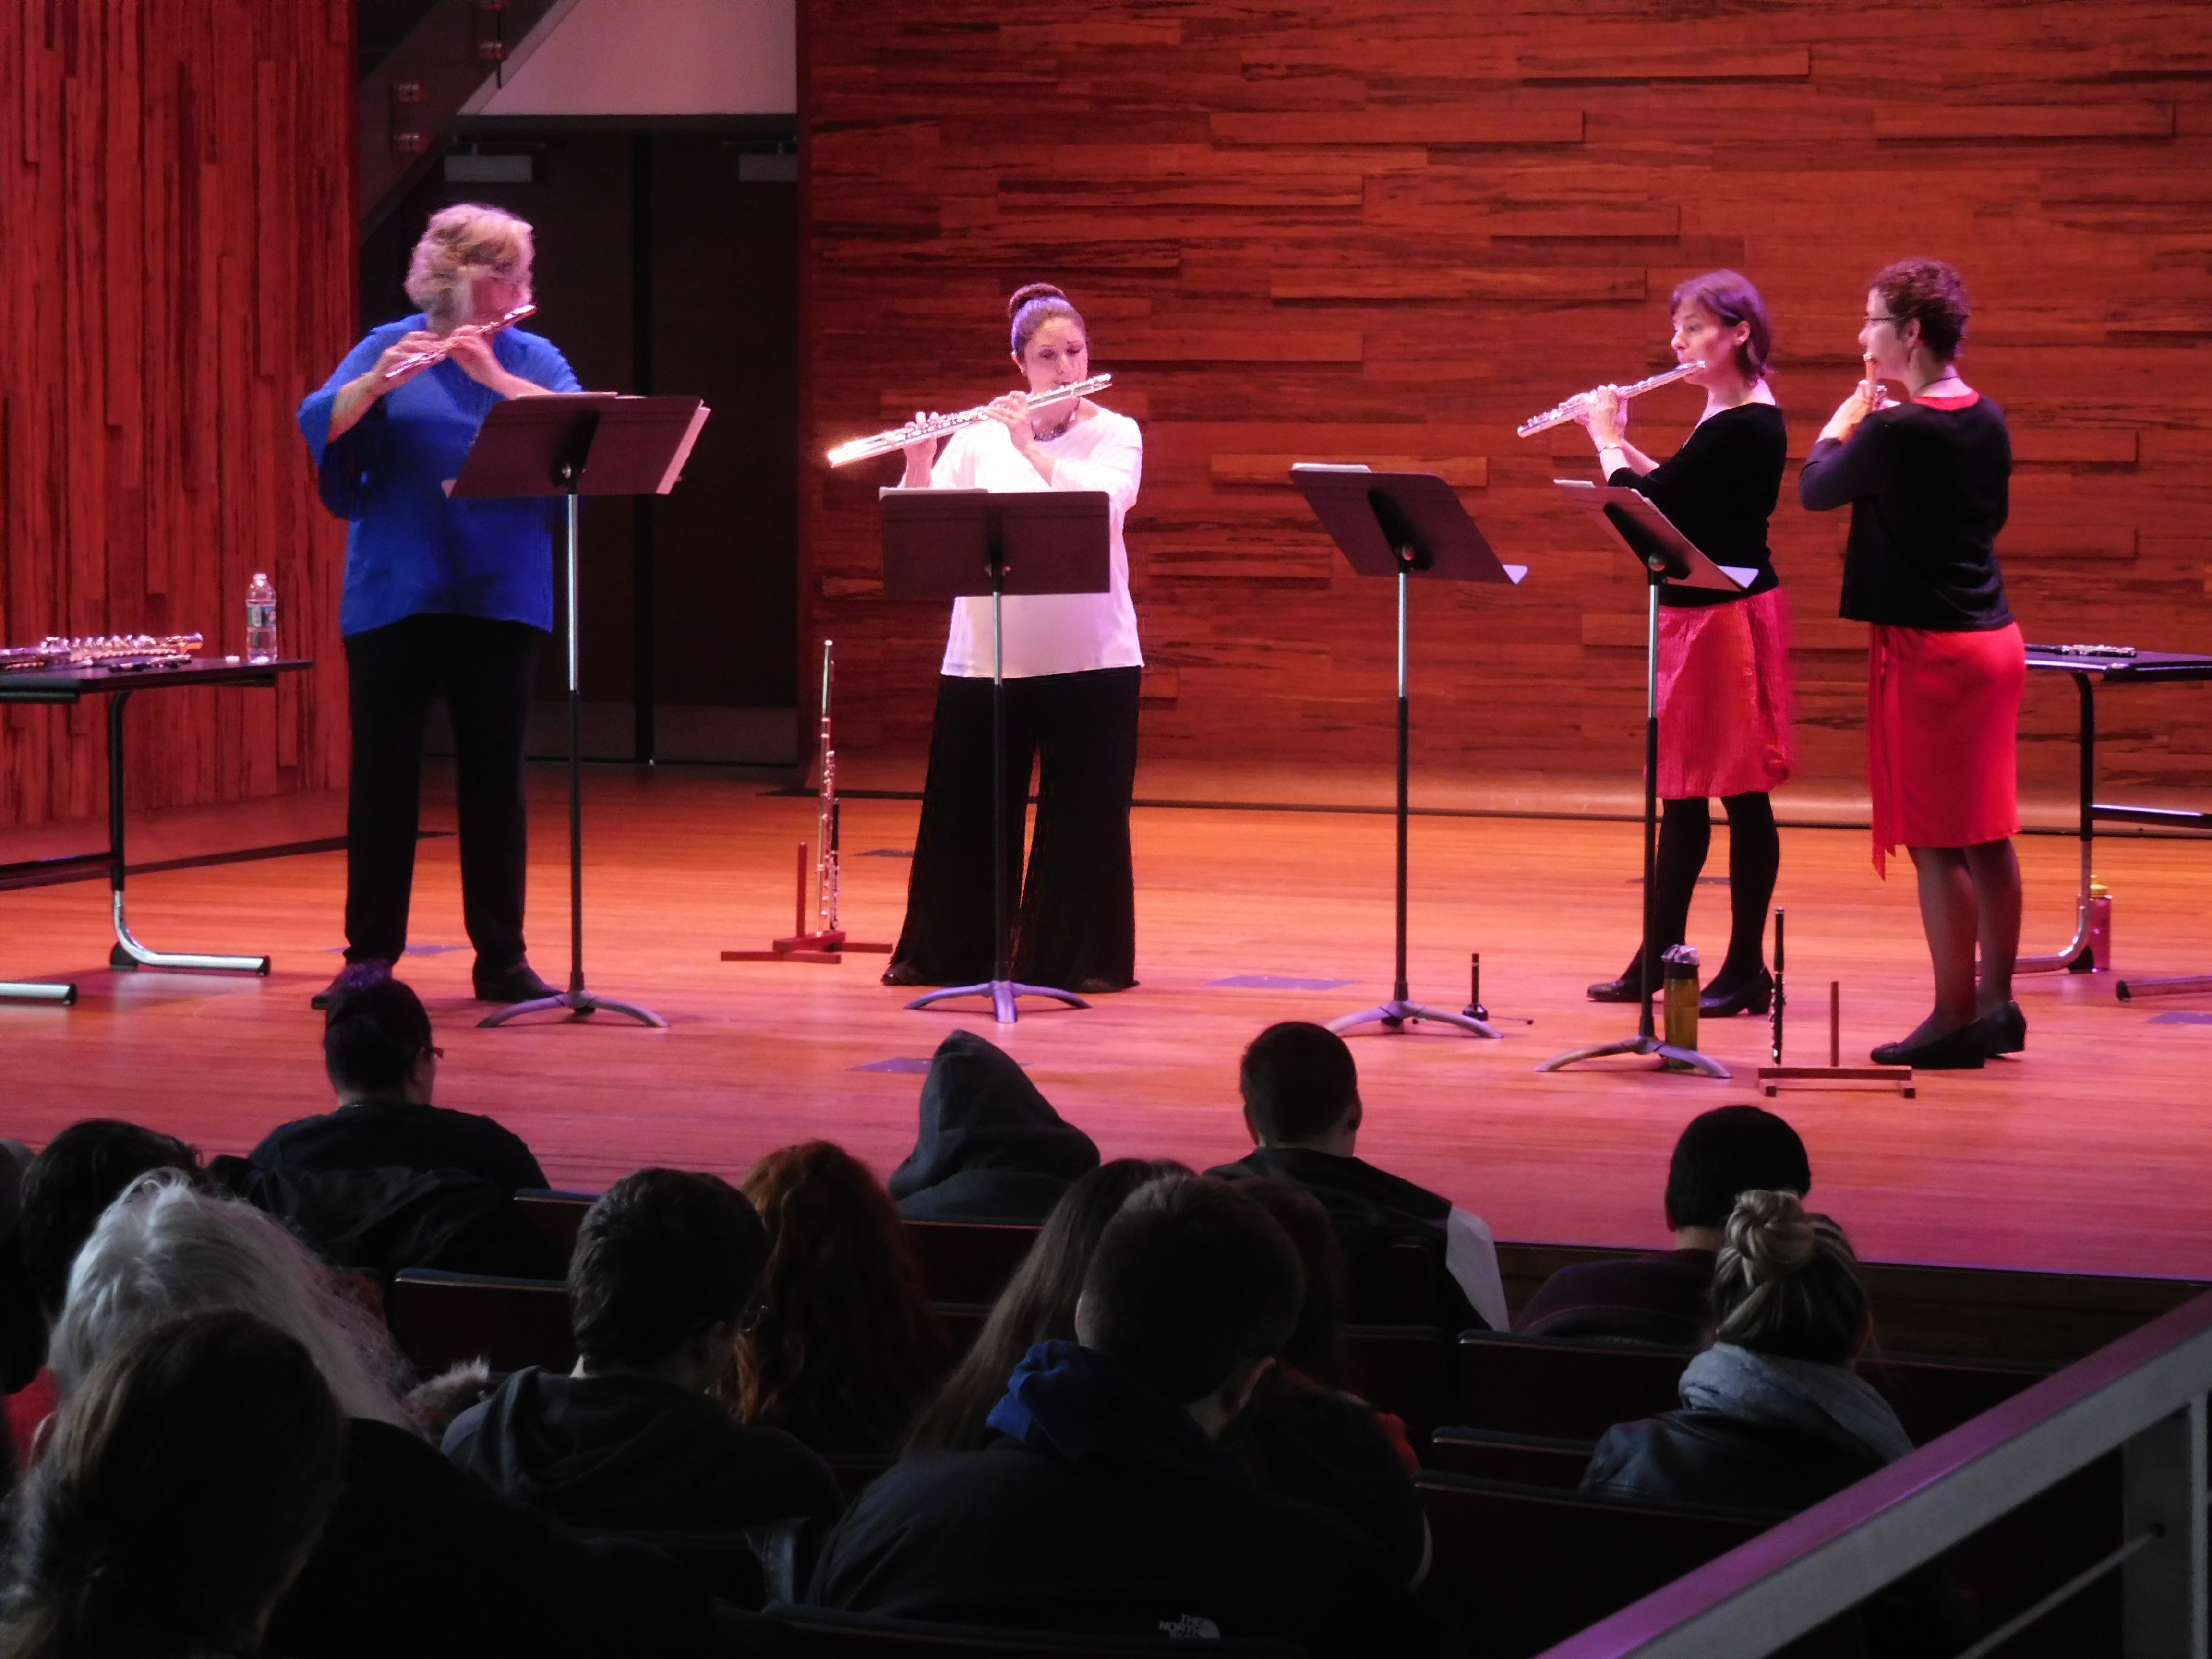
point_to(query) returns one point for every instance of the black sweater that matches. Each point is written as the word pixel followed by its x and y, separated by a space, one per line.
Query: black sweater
pixel 1719 489
pixel 1929 489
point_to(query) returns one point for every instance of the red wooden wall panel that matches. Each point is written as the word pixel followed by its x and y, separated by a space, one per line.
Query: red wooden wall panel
pixel 176 190
pixel 1370 229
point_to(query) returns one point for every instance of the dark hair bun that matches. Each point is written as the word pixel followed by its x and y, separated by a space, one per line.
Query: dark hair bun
pixel 1032 291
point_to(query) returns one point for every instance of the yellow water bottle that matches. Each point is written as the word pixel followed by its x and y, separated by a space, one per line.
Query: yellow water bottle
pixel 1681 986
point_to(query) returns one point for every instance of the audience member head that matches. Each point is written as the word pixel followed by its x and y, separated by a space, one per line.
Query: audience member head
pixel 1037 1305
pixel 1787 1283
pixel 845 1344
pixel 165 1249
pixel 1315 1346
pixel 189 1476
pixel 79 1174
pixel 1301 1089
pixel 376 1043
pixel 1726 1152
pixel 1193 1290
pixel 987 1140
pixel 666 1264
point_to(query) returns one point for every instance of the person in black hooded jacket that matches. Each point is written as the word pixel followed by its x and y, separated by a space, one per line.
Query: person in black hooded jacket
pixel 1106 1506
pixel 991 1147
pixel 666 1264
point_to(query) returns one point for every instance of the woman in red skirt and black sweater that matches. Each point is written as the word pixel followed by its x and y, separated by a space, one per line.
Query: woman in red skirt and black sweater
pixel 1928 481
pixel 1723 658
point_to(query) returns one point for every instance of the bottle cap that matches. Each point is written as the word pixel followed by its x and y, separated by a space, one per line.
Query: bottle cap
pixel 261 575
pixel 2098 890
pixel 1687 955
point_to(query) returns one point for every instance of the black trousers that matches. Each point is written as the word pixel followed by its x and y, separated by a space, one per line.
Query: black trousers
pixel 1076 928
pixel 481 668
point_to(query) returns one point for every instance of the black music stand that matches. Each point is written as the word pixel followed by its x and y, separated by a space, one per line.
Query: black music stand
pixel 964 543
pixel 1403 525
pixel 1640 530
pixel 574 443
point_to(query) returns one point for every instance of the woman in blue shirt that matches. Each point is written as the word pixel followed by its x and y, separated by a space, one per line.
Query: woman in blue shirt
pixel 443 597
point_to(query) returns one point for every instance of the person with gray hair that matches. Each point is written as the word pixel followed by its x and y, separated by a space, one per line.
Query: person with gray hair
pixel 418 1556
pixel 443 598
pixel 1773 1417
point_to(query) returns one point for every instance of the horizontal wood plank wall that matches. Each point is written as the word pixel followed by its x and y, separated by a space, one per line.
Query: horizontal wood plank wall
pixel 1371 231
pixel 176 190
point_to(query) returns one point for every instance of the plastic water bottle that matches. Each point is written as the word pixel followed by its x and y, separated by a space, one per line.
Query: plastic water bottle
pixel 1681 1003
pixel 261 620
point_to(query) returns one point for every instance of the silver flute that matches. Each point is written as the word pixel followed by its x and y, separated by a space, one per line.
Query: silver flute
pixel 914 431
pixel 1574 405
pixel 437 353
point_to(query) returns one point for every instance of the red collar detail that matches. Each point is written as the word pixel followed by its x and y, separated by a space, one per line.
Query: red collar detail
pixel 1954 400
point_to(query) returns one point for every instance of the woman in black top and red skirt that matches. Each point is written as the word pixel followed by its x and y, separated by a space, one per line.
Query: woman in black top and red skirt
pixel 1928 482
pixel 1723 658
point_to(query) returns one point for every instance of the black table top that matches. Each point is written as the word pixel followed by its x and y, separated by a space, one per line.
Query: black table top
pixel 70 684
pixel 2143 665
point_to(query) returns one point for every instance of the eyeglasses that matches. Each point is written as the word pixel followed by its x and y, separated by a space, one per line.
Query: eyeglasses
pixel 434 1052
pixel 1892 321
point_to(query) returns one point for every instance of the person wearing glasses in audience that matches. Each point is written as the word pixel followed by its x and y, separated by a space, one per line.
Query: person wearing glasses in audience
pixel 1723 658
pixel 1073 668
pixel 1927 484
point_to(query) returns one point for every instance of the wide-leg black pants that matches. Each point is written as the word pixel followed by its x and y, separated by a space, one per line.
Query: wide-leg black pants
pixel 482 669
pixel 1076 928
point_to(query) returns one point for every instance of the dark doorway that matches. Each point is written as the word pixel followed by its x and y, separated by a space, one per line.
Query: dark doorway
pixel 668 262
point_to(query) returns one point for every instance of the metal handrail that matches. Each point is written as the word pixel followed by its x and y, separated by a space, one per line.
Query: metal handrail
pixel 2145 1392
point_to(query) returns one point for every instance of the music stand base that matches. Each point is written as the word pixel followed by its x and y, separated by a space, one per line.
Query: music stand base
pixel 2181 985
pixel 18 990
pixel 1689 1059
pixel 578 1003
pixel 1002 993
pixel 128 952
pixel 1398 1012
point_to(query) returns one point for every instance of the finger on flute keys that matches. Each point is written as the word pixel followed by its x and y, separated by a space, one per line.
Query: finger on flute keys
pixel 922 449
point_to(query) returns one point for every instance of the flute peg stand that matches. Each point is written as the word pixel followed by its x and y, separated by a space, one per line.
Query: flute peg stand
pixel 825 946
pixel 1772 1078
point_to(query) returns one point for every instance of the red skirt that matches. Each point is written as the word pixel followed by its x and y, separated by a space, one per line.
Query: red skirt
pixel 1724 697
pixel 1943 736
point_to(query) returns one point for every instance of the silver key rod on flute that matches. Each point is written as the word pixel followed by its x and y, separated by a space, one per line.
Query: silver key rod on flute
pixel 914 431
pixel 437 353
pixel 1567 411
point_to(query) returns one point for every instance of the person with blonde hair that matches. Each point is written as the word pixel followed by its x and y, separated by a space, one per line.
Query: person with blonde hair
pixel 418 1556
pixel 443 597
pixel 1773 1417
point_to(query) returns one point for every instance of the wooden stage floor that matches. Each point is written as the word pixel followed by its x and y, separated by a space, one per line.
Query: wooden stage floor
pixel 2092 1151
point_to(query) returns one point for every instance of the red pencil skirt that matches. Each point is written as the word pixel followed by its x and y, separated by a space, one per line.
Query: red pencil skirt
pixel 1943 736
pixel 1724 697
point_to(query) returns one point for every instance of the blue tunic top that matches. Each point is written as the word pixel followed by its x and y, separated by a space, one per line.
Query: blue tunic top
pixel 413 551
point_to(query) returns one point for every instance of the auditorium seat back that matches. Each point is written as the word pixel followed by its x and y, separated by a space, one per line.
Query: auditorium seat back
pixel 1565 1389
pixel 555 1216
pixel 968 1261
pixel 1529 1460
pixel 1404 1369
pixel 440 1319
pixel 1931 1397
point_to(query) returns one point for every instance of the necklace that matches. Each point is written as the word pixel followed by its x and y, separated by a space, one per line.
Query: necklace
pixel 1066 421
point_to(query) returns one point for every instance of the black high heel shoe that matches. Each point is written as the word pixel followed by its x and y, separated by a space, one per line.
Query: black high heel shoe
pixel 1720 1000
pixel 1629 987
pixel 1954 1051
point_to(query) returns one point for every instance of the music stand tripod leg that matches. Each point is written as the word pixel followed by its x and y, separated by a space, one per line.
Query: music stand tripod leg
pixel 575 1000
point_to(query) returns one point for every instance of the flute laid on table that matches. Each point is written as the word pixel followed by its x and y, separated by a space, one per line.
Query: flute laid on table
pixel 102 651
pixel 437 353
pixel 859 449
pixel 1560 415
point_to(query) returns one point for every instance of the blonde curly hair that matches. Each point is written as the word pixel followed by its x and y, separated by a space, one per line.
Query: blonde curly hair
pixel 460 243
pixel 1786 1282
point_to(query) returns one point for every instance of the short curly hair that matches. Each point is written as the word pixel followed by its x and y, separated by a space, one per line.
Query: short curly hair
pixel 1930 293
pixel 460 243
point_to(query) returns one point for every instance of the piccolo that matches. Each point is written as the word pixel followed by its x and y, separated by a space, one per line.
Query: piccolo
pixel 1574 405
pixel 437 353
pixel 937 426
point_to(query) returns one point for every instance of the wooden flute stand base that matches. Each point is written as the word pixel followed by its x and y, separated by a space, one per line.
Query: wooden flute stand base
pixel 1772 1078
pixel 825 945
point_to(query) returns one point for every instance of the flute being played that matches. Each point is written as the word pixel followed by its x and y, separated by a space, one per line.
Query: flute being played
pixel 1560 415
pixel 437 353
pixel 859 449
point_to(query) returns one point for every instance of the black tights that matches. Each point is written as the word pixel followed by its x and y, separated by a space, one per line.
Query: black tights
pixel 1686 835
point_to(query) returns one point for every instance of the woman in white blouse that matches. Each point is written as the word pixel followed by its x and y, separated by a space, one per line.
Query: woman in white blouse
pixel 1073 668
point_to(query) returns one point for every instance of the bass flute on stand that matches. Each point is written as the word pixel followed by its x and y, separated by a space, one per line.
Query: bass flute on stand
pixel 825 941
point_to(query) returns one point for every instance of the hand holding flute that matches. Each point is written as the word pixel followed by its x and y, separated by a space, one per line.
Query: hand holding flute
pixel 1866 396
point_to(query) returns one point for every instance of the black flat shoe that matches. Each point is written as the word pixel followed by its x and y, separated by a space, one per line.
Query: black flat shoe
pixel 1954 1051
pixel 351 977
pixel 905 974
pixel 1723 1001
pixel 519 983
pixel 2003 1031
pixel 1626 988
